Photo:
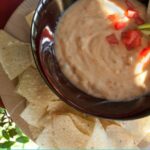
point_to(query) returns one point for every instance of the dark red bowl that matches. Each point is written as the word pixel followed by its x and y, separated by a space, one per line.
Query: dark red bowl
pixel 42 32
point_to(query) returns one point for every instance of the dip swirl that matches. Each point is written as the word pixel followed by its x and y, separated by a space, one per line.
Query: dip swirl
pixel 92 64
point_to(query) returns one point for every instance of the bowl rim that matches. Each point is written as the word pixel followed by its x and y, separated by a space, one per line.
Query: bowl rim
pixel 33 34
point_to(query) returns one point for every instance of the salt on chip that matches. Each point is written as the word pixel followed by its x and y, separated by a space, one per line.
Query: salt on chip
pixel 33 113
pixel 99 138
pixel 35 131
pixel 29 18
pixel 138 128
pixel 84 123
pixel 120 138
pixel 15 58
pixel 33 88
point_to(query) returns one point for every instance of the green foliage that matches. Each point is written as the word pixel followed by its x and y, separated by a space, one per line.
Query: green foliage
pixel 22 139
pixel 10 134
pixel 7 144
pixel 5 134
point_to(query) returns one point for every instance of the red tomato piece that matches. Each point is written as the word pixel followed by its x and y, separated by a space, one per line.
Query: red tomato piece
pixel 132 39
pixel 144 52
pixel 120 25
pixel 139 21
pixel 131 14
pixel 112 39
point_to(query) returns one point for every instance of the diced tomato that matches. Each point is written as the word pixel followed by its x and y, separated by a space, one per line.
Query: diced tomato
pixel 130 5
pixel 131 14
pixel 112 39
pixel 139 21
pixel 144 52
pixel 132 39
pixel 120 25
pixel 113 17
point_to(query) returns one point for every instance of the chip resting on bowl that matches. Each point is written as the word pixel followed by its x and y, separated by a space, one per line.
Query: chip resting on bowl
pixel 29 18
pixel 33 88
pixel 99 138
pixel 62 133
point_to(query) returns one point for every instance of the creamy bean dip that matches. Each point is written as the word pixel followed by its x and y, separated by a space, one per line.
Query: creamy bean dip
pixel 99 48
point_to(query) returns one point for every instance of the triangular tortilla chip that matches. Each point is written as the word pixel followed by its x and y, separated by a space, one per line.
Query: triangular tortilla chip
pixel 29 18
pixel 107 122
pixel 62 133
pixel 35 132
pixel 138 128
pixel 99 138
pixel 15 58
pixel 33 88
pixel 66 135
pixel 57 107
pixel 84 123
pixel 120 137
pixel 145 143
pixel 46 138
pixel 33 113
pixel 6 39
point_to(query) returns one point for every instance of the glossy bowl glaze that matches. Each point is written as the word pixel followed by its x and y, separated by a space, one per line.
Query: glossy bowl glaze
pixel 42 40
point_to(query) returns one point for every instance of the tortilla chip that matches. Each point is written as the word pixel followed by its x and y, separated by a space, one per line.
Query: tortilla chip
pixel 33 113
pixel 62 133
pixel 84 123
pixel 29 18
pixel 6 39
pixel 106 123
pixel 60 107
pixel 99 138
pixel 33 88
pixel 138 128
pixel 66 135
pixel 57 107
pixel 120 137
pixel 45 139
pixel 60 5
pixel 32 59
pixel 54 107
pixel 35 132
pixel 145 143
pixel 15 58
